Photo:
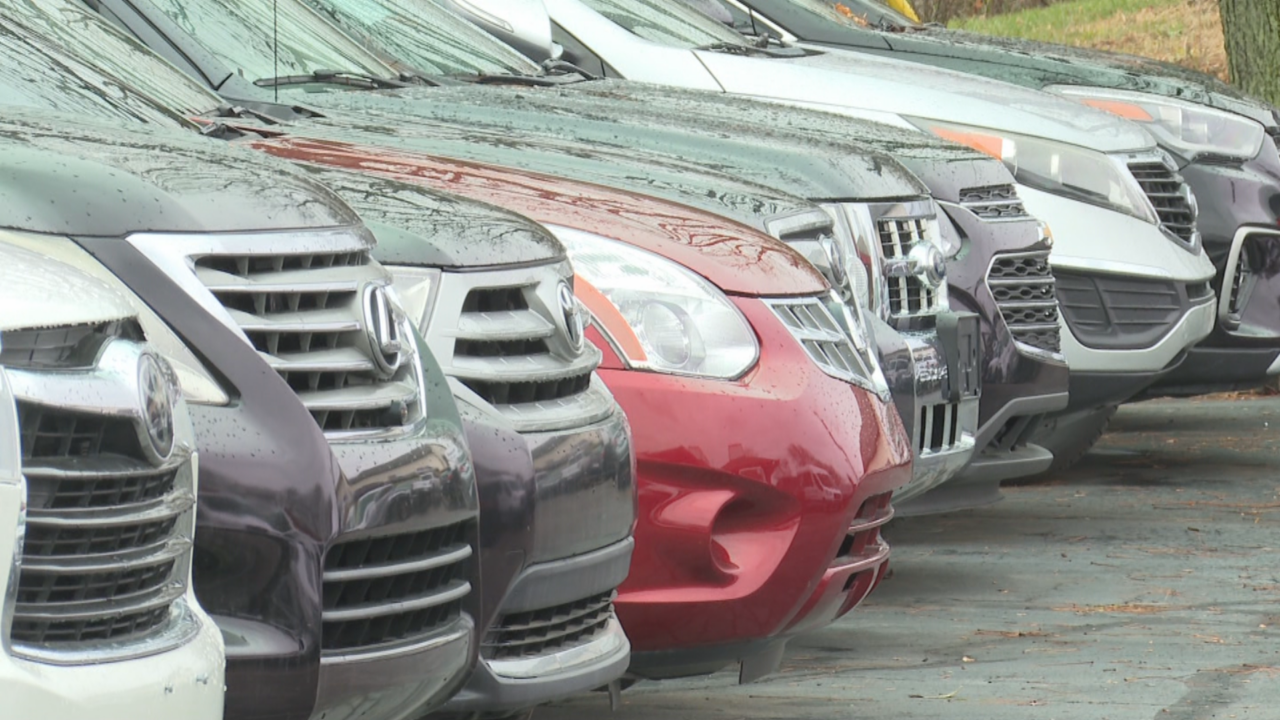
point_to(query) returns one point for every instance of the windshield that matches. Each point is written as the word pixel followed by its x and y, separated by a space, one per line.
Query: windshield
pixel 422 36
pixel 668 22
pixel 858 13
pixel 36 72
pixel 243 33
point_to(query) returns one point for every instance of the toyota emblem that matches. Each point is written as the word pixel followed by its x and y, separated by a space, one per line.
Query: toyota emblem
pixel 383 330
pixel 573 321
pixel 158 396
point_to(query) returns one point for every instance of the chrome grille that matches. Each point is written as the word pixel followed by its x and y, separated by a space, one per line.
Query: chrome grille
pixel 812 325
pixel 306 313
pixel 937 429
pixel 548 630
pixel 907 294
pixel 504 337
pixel 1169 195
pixel 993 202
pixel 394 589
pixel 1024 289
pixel 65 347
pixel 106 557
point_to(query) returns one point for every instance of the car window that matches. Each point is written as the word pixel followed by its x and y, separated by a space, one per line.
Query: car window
pixel 262 39
pixel 82 32
pixel 857 13
pixel 35 73
pixel 668 22
pixel 423 36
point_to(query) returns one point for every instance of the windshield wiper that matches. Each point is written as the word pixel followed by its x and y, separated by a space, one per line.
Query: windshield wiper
pixel 333 77
pixel 784 51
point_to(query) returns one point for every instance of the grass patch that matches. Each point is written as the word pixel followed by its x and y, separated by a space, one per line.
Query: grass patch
pixel 1187 32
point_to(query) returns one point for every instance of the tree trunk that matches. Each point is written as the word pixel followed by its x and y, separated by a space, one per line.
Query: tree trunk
pixel 1251 29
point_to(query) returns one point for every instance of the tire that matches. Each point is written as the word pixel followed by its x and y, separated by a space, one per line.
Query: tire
pixel 1069 437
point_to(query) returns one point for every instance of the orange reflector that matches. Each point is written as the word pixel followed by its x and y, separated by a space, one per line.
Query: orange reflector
pixel 1128 111
pixel 611 321
pixel 989 144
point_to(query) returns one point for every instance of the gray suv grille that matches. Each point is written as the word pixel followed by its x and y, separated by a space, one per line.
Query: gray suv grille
pixel 1169 194
pixel 307 314
pixel 994 202
pixel 109 526
pixel 1024 289
pixel 541 632
pixel 505 337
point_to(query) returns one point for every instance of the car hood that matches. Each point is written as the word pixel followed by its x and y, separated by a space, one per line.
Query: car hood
pixel 734 257
pixel 38 292
pixel 609 118
pixel 873 83
pixel 636 170
pixel 60 174
pixel 418 226
pixel 1039 64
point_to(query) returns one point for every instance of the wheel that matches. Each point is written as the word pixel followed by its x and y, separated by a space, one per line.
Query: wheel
pixel 1069 437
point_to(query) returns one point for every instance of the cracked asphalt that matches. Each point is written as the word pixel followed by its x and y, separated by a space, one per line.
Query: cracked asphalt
pixel 1143 583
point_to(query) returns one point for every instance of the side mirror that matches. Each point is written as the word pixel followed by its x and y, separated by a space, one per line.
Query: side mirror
pixel 523 24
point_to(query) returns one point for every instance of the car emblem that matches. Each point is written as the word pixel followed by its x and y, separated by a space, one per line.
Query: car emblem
pixel 383 330
pixel 158 395
pixel 573 322
pixel 929 264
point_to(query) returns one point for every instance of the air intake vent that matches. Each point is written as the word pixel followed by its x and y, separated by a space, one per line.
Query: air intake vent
pixel 826 343
pixel 1169 195
pixel 395 589
pixel 994 202
pixel 1024 289
pixel 69 347
pixel 1114 312
pixel 549 630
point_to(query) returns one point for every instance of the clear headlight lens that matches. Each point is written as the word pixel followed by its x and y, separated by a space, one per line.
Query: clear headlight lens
pixel 198 385
pixel 1067 170
pixel 415 289
pixel 659 315
pixel 1189 129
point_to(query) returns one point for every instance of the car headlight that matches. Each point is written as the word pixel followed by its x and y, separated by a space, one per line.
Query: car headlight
pixel 1058 168
pixel 415 289
pixel 1189 129
pixel 198 385
pixel 659 315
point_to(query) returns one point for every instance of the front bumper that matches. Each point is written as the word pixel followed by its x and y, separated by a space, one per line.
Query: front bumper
pixel 748 492
pixel 275 496
pixel 931 400
pixel 1240 224
pixel 186 682
pixel 557 511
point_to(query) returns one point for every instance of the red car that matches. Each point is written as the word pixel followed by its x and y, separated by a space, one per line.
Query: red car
pixel 764 480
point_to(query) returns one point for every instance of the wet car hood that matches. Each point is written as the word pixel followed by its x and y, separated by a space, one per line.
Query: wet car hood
pixel 393 123
pixel 940 94
pixel 733 257
pixel 1038 64
pixel 608 115
pixel 65 175
pixel 37 291
pixel 418 226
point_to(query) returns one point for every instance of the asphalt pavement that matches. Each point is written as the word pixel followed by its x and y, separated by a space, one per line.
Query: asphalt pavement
pixel 1143 583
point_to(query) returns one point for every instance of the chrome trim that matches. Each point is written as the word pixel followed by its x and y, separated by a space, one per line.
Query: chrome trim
pixel 829 345
pixel 457 592
pixel 886 273
pixel 865 561
pixel 392 569
pixel 1156 155
pixel 397 651
pixel 1233 262
pixel 882 517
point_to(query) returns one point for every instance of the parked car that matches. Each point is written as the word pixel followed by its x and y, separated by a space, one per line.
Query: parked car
pixel 99 612
pixel 1224 144
pixel 941 404
pixel 492 294
pixel 1119 183
pixel 327 437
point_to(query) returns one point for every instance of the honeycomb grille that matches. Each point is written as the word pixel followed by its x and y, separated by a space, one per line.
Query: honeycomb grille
pixel 994 202
pixel 1024 289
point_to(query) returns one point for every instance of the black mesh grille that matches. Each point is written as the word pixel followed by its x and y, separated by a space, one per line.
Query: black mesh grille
pixel 509 393
pixel 107 489
pixel 1167 192
pixel 994 202
pixel 549 630
pixel 495 300
pixel 50 541
pixel 394 581
pixel 115 628
pixel 49 433
pixel 1023 286
pixel 38 587
pixel 1119 312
